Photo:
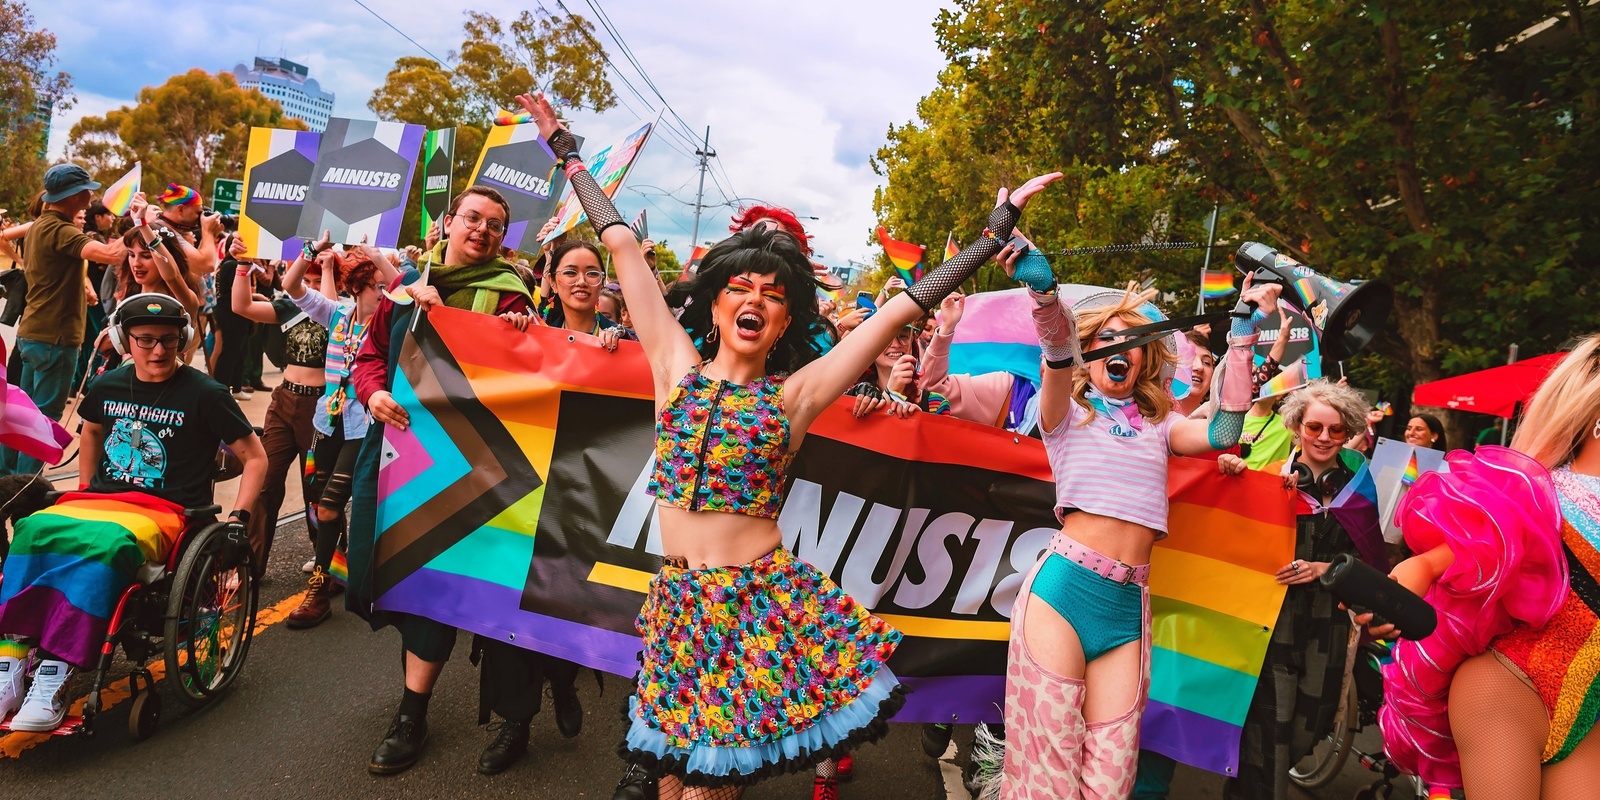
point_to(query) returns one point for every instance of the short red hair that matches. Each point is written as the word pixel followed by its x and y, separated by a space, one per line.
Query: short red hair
pixel 750 215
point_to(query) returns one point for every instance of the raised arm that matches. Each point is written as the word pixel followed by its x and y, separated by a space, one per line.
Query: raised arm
pixel 668 347
pixel 243 304
pixel 1195 436
pixel 821 382
pixel 294 278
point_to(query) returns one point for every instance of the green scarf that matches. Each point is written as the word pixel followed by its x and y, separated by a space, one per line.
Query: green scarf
pixel 473 287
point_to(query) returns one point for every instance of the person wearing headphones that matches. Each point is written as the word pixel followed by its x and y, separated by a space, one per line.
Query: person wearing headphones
pixel 1305 660
pixel 149 448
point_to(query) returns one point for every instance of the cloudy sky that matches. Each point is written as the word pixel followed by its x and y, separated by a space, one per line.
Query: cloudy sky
pixel 797 95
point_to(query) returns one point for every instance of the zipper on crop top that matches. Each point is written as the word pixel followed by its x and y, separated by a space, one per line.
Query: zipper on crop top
pixel 705 442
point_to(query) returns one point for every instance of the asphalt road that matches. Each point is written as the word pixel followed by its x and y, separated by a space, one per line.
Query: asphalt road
pixel 310 706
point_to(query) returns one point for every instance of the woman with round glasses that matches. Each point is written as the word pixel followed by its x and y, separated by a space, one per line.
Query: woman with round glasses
pixel 1297 694
pixel 575 282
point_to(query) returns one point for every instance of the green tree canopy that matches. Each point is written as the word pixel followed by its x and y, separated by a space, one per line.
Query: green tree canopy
pixel 557 54
pixel 1432 145
pixel 189 130
pixel 29 95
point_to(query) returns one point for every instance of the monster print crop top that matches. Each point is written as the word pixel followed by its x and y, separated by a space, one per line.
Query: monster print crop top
pixel 723 446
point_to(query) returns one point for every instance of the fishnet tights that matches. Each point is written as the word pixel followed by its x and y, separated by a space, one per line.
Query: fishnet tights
pixel 670 788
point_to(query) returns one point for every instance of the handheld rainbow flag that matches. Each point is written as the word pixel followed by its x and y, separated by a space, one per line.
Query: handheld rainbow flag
pixel 1216 284
pixel 120 194
pixel 1412 472
pixel 906 257
pixel 1291 378
pixel 1386 408
pixel 505 117
pixel 951 249
pixel 697 255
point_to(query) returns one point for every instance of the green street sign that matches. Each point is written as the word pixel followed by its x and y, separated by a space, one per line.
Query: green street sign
pixel 226 196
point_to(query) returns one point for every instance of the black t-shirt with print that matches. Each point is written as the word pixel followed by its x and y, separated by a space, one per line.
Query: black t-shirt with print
pixel 305 342
pixel 161 438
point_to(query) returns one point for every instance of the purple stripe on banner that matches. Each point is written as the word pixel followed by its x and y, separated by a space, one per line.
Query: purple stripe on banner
pixel 517 189
pixel 410 149
pixel 1195 739
pixel 963 699
pixel 255 200
pixel 514 233
pixel 353 186
pixel 306 143
pixel 459 600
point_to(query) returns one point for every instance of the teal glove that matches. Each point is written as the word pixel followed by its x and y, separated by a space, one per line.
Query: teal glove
pixel 1034 269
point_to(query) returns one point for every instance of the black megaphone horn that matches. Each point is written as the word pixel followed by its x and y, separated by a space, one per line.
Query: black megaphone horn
pixel 1346 316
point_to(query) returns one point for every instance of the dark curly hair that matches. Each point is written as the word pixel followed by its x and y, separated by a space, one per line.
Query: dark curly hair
pixel 355 271
pixel 762 251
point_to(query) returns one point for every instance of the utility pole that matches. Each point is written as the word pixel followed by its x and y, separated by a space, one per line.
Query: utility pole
pixel 706 154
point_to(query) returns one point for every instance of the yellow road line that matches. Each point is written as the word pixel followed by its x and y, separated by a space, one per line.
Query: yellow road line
pixel 13 745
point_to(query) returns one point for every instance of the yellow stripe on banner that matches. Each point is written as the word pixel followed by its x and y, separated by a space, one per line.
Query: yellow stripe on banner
pixel 948 628
pixel 621 577
pixel 1221 534
pixel 1217 585
pixel 538 444
pixel 145 531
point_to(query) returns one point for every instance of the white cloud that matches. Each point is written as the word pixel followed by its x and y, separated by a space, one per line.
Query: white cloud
pixel 87 105
pixel 797 94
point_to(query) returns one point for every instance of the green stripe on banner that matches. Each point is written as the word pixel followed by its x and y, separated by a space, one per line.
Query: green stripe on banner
pixel 489 554
pixel 1212 636
pixel 1201 687
pixel 105 542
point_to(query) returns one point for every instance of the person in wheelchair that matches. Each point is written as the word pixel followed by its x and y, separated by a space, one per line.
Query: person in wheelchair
pixel 149 448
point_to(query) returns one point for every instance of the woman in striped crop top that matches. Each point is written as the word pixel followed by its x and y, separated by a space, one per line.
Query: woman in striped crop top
pixel 1080 628
pixel 754 662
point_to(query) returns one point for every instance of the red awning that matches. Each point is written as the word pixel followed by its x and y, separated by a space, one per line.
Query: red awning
pixel 1495 391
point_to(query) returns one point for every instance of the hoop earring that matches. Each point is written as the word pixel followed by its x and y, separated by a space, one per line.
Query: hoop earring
pixel 1596 432
pixel 715 331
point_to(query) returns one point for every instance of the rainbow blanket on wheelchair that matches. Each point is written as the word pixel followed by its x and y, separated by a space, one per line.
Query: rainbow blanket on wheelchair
pixel 70 563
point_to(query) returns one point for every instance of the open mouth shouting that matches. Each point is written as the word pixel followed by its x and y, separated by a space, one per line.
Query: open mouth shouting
pixel 1118 368
pixel 750 324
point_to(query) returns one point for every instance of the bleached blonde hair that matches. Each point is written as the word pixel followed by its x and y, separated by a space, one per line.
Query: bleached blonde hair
pixel 1565 409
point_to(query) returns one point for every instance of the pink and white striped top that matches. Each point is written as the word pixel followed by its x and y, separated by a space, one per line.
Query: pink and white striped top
pixel 1113 475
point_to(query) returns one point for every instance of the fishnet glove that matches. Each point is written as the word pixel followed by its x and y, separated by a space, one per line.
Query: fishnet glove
pixel 599 208
pixel 936 285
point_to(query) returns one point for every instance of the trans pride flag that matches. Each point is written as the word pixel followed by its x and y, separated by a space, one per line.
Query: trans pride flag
pixel 905 256
pixel 515 506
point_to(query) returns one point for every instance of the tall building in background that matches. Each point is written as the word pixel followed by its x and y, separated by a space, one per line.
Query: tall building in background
pixel 287 82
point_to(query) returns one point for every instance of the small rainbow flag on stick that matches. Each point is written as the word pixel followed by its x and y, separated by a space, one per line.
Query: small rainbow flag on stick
pixel 120 194
pixel 506 117
pixel 1216 284
pixel 951 249
pixel 1410 475
pixel 1291 378
pixel 906 257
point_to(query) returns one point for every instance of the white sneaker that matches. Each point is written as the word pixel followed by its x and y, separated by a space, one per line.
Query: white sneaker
pixel 310 566
pixel 13 684
pixel 46 705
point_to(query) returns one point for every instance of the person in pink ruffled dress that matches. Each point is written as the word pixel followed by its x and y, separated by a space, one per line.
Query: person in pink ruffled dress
pixel 1502 698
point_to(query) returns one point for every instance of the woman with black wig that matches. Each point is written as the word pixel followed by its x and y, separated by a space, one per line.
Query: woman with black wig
pixel 755 663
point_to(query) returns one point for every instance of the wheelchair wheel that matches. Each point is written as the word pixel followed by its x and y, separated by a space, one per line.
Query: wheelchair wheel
pixel 1327 757
pixel 211 615
pixel 145 715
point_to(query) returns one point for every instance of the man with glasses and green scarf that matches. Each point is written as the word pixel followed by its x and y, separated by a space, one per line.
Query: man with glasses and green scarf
pixel 463 270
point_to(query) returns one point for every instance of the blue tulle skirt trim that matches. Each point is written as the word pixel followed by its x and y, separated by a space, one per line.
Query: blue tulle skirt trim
pixel 863 720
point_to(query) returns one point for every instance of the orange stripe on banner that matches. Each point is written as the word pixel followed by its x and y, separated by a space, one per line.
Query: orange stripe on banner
pixel 1225 536
pixel 515 397
pixel 492 342
pixel 1264 499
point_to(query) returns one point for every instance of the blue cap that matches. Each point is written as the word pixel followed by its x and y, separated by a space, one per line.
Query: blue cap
pixel 65 180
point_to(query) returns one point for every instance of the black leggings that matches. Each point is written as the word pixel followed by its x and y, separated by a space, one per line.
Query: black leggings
pixel 335 461
pixel 235 330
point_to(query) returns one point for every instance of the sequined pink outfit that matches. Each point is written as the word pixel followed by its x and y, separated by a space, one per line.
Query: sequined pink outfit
pixel 1051 753
pixel 1497 511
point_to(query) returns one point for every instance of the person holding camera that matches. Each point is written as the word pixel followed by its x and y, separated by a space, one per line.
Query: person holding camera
pixel 52 325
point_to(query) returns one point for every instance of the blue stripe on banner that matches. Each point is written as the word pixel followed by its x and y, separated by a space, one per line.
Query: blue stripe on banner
pixel 977 358
pixel 1200 686
pixel 448 463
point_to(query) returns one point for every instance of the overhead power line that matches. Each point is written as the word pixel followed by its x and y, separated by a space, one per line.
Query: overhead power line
pixel 402 33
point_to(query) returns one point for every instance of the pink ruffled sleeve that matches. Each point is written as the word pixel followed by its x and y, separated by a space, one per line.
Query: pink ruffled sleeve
pixel 1497 511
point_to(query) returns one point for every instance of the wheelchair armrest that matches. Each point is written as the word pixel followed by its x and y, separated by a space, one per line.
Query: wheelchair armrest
pixel 204 512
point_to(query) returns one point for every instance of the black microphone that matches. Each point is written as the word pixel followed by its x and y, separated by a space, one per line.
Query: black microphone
pixel 1363 589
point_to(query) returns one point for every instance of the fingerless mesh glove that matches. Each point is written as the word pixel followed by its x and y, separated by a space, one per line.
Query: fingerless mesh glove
pixel 599 208
pixel 936 285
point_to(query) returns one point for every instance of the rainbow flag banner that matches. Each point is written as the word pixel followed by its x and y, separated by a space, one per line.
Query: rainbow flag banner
pixel 905 256
pixel 118 196
pixel 515 506
pixel 609 168
pixel 70 562
pixel 1216 284
pixel 1292 377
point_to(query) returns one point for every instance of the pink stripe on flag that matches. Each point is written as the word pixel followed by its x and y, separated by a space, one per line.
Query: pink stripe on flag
pixel 24 428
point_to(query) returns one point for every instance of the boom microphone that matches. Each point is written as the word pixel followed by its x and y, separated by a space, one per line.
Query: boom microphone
pixel 1362 589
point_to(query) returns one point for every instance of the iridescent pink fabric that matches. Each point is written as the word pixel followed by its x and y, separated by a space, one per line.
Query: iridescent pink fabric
pixel 1497 511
